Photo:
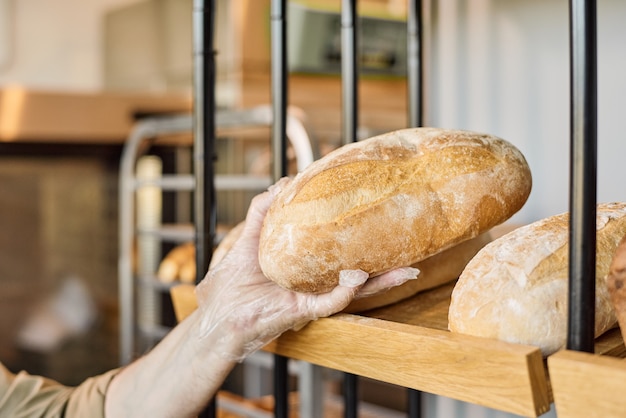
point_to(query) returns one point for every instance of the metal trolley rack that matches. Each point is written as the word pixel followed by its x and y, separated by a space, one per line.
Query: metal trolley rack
pixel 423 355
pixel 131 230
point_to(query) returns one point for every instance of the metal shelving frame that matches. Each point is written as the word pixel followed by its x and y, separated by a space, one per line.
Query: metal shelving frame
pixel 583 144
pixel 583 175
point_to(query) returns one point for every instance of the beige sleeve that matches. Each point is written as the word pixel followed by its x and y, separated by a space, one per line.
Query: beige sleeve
pixel 25 395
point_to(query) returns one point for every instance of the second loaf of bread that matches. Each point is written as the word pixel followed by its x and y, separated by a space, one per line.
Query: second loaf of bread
pixel 387 202
pixel 515 288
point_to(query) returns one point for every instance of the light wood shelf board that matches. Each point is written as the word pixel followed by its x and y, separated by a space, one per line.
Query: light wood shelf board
pixel 587 385
pixel 408 344
pixel 490 373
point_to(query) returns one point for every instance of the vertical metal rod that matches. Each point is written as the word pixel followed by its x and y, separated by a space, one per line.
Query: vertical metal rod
pixel 204 141
pixel 415 63
pixel 351 397
pixel 311 388
pixel 204 133
pixel 281 386
pixel 583 175
pixel 279 161
pixel 126 286
pixel 349 83
pixel 415 119
pixel 349 71
pixel 414 403
pixel 279 88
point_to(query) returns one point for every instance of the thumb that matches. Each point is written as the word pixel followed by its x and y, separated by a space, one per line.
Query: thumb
pixel 326 304
pixel 352 278
pixel 350 282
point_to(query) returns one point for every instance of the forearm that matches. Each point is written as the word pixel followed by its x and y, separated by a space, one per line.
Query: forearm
pixel 177 378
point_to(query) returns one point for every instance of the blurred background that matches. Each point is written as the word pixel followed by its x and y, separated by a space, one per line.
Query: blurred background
pixel 76 75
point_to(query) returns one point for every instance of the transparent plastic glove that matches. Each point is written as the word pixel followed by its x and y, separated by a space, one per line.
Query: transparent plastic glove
pixel 242 310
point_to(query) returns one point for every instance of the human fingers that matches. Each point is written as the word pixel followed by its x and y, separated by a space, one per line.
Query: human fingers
pixel 322 305
pixel 355 284
pixel 387 280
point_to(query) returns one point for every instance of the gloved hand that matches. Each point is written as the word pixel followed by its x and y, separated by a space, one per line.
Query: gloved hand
pixel 242 310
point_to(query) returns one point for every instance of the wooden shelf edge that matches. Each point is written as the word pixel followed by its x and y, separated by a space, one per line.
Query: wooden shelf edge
pixel 495 374
pixel 504 376
pixel 587 385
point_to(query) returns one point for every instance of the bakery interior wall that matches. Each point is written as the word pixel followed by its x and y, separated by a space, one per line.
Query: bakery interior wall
pixel 499 66
pixel 502 67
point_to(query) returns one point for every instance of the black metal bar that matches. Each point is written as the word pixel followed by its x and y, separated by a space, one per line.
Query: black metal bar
pixel 281 386
pixel 349 70
pixel 415 63
pixel 204 141
pixel 349 107
pixel 583 175
pixel 278 58
pixel 350 394
pixel 415 118
pixel 204 133
pixel 414 403
pixel 279 88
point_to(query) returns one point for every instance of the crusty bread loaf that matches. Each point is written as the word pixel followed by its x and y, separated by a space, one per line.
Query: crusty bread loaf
pixel 187 272
pixel 515 288
pixel 616 285
pixel 170 266
pixel 434 271
pixel 387 202
pixel 180 262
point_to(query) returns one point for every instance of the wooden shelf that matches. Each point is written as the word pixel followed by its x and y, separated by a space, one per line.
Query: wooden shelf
pixel 588 385
pixel 408 344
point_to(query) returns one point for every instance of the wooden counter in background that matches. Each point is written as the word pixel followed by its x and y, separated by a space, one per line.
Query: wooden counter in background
pixel 33 116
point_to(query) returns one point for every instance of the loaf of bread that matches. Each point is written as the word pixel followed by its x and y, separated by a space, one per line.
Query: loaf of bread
pixel 389 201
pixel 176 259
pixel 516 288
pixel 616 285
pixel 434 271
